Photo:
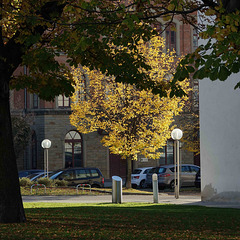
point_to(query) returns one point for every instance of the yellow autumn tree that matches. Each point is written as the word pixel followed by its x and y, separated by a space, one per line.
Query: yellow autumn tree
pixel 136 121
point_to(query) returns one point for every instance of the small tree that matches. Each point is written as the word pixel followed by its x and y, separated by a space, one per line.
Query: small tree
pixel 137 121
pixel 21 134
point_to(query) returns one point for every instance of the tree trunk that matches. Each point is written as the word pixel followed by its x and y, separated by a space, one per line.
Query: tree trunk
pixel 11 207
pixel 129 172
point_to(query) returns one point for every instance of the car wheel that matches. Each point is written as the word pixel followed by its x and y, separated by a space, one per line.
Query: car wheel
pixel 172 185
pixel 142 184
pixel 134 186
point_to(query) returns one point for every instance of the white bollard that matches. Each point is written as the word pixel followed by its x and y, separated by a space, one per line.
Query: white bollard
pixel 116 189
pixel 155 187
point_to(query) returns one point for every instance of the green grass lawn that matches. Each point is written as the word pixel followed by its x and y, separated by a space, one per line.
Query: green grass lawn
pixel 124 221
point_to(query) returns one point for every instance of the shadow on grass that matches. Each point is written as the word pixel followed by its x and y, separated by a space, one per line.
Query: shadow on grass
pixel 124 221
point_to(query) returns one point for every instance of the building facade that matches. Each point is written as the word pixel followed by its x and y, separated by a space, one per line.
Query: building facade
pixel 50 120
pixel 220 148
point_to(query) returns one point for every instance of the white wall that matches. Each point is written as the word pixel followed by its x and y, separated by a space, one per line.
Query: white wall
pixel 220 139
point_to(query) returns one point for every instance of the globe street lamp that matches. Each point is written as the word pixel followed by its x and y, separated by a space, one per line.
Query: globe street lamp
pixel 176 136
pixel 46 144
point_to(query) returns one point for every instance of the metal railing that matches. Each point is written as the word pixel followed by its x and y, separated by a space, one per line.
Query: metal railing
pixel 82 187
pixel 38 185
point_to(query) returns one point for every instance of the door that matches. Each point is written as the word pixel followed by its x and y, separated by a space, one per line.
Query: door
pixel 118 166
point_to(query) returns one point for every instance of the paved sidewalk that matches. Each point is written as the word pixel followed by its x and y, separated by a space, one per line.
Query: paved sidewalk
pixel 186 199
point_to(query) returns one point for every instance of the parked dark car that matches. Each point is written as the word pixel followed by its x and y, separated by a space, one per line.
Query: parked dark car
pixel 25 173
pixel 75 176
pixel 198 179
pixel 166 175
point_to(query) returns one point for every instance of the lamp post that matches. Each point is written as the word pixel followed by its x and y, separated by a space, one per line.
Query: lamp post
pixel 46 144
pixel 176 136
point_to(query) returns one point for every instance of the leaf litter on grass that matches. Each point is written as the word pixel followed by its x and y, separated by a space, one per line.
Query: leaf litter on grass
pixel 124 221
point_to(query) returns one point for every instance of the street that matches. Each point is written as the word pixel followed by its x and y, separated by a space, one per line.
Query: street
pixel 163 198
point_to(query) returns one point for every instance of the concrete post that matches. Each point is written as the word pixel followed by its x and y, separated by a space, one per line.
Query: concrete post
pixel 155 187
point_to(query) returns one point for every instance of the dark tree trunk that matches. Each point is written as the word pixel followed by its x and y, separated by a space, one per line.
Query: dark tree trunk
pixel 11 207
pixel 129 172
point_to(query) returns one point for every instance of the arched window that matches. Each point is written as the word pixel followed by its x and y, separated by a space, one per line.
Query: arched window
pixel 170 31
pixel 73 149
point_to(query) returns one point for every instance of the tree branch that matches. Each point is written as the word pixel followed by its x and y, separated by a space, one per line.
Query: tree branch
pixel 13 50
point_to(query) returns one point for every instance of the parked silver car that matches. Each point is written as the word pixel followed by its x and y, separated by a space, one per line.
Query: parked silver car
pixel 166 175
pixel 138 177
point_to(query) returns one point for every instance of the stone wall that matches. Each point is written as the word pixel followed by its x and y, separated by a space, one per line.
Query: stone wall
pixel 54 125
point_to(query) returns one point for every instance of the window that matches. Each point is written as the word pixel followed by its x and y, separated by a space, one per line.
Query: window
pixel 81 173
pixel 67 175
pixel 73 149
pixel 195 39
pixel 35 100
pixel 161 170
pixel 88 173
pixel 170 31
pixel 63 101
pixel 158 170
pixel 153 170
pixel 194 169
pixel 146 171
pixel 185 169
pixel 171 40
pixel 167 156
pixel 137 171
pixel 94 173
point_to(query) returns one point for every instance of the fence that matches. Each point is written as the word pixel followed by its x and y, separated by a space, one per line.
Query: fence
pixel 38 185
pixel 82 186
